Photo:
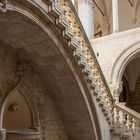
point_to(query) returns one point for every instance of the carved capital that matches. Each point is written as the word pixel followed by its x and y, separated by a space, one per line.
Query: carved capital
pixel 3 7
pixel 116 89
pixel 3 134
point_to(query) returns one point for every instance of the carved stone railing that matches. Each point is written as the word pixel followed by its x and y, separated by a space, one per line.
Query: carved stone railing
pixel 23 135
pixel 66 19
pixel 126 121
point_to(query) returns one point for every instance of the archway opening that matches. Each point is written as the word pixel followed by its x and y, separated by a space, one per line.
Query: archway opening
pixel 131 84
pixel 48 76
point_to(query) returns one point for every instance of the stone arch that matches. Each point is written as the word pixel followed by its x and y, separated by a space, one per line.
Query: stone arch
pixel 123 60
pixel 39 16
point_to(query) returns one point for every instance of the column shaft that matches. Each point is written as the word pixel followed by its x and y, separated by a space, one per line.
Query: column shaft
pixel 115 16
pixel 85 12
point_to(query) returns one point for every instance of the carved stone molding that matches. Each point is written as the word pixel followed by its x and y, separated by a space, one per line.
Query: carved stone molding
pixel 3 7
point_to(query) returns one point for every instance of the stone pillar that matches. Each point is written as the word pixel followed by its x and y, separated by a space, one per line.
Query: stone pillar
pixel 116 90
pixel 85 12
pixel 2 134
pixel 115 16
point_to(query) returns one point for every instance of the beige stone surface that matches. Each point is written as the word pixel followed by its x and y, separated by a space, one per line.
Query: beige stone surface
pixel 115 52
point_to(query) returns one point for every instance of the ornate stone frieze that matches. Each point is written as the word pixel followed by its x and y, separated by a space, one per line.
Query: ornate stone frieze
pixel 3 5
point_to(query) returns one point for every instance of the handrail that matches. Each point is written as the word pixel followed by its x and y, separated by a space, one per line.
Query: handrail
pixel 128 110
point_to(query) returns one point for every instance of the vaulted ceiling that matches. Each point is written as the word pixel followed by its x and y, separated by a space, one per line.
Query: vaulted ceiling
pixel 129 11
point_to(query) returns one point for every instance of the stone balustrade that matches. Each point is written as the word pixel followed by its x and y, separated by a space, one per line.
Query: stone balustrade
pixel 23 135
pixel 66 19
pixel 126 121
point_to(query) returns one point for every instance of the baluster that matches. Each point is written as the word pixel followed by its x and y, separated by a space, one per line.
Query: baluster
pixel 134 131
pixel 117 118
pixel 130 118
pixel 124 120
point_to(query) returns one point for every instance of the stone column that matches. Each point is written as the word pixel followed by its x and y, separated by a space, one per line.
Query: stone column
pixel 85 12
pixel 115 16
pixel 2 134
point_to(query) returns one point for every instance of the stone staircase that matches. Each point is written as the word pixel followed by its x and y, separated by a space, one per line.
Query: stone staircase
pixel 65 18
pixel 125 123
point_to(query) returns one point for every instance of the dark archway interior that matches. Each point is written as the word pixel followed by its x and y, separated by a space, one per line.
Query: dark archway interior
pixel 131 84
pixel 125 91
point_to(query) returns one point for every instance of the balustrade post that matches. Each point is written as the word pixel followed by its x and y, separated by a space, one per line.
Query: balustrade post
pixel 117 117
pixel 113 117
pixel 130 122
pixel 124 121
pixel 2 134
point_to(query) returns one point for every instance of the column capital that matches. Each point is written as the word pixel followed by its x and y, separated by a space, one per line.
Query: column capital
pixel 116 89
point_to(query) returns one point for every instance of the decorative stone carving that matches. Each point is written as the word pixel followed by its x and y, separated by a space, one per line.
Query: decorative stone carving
pixel 3 7
pixel 116 89
pixel 2 134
